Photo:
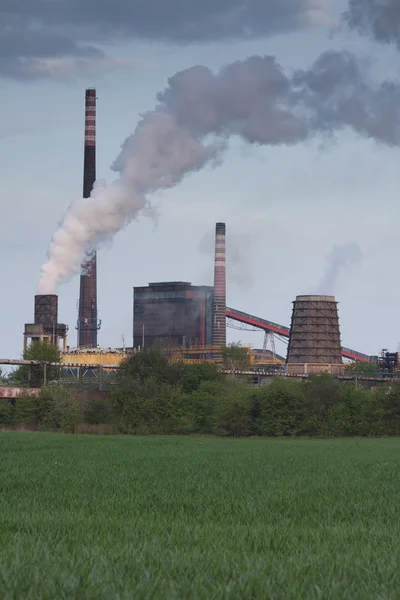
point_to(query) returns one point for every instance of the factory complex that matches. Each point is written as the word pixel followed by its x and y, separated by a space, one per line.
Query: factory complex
pixel 190 321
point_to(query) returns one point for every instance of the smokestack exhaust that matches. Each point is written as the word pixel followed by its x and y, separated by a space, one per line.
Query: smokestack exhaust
pixel 88 324
pixel 219 298
pixel 194 118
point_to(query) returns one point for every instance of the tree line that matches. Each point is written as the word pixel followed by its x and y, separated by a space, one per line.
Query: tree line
pixel 155 396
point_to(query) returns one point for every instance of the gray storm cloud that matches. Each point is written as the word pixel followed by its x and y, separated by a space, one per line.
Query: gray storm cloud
pixel 339 261
pixel 70 33
pixel 380 18
pixel 54 39
pixel 192 122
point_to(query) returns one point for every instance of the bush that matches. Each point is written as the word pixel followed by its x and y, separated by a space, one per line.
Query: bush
pixel 28 411
pixel 148 407
pixel 234 411
pixel 7 413
pixel 350 416
pixel 97 412
pixel 201 407
pixel 282 409
pixel 63 409
pixel 390 399
pixel 152 396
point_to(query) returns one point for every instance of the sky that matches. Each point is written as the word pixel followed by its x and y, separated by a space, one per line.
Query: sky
pixel 319 212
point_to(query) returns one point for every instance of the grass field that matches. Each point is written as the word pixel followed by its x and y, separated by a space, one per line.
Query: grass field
pixel 119 517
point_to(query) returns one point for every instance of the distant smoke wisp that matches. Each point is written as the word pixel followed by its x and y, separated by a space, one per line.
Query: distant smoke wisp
pixel 191 123
pixel 238 257
pixel 340 259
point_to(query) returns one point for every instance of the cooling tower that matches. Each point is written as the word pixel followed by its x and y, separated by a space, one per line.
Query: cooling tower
pixel 87 318
pixel 219 298
pixel 314 343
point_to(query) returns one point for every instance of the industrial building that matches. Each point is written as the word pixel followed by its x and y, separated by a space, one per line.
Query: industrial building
pixel 192 319
pixel 182 314
pixel 176 312
pixel 46 326
pixel 314 342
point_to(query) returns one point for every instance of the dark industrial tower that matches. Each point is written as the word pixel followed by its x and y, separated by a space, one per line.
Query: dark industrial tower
pixel 88 323
pixel 46 326
pixel 314 343
pixel 219 299
pixel 172 311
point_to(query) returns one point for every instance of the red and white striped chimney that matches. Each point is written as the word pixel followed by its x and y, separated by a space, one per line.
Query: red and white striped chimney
pixel 89 168
pixel 219 298
pixel 88 323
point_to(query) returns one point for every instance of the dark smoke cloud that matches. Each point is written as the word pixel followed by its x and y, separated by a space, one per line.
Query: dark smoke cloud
pixel 380 18
pixel 340 94
pixel 257 100
pixel 32 32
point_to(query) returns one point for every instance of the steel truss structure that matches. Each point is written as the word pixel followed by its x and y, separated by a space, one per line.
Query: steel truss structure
pixel 98 376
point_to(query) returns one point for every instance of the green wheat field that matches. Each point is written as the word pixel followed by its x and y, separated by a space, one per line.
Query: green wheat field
pixel 99 517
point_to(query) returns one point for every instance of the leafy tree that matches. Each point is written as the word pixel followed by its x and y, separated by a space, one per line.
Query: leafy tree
pixel 361 369
pixel 150 363
pixel 191 377
pixel 235 357
pixel 7 413
pixel 153 364
pixel 3 376
pixel 39 351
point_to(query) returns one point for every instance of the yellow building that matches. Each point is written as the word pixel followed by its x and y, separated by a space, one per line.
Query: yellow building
pixel 191 355
pixel 98 356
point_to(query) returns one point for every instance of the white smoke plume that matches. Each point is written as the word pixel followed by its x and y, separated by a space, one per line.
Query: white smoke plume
pixel 238 256
pixel 340 259
pixel 189 127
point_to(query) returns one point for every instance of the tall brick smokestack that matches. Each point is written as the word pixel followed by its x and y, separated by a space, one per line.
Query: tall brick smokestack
pixel 87 318
pixel 219 299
